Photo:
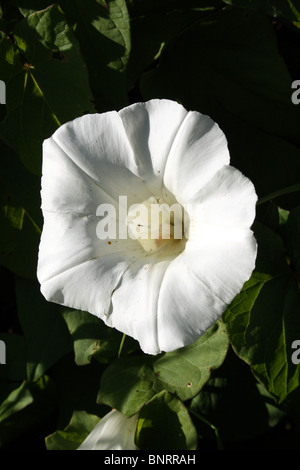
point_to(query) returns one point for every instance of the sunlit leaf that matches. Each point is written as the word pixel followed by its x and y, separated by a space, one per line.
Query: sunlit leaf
pixel 186 370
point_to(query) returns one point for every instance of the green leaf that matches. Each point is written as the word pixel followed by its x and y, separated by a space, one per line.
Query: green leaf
pixel 47 336
pixel 164 424
pixel 186 370
pixel 235 403
pixel 18 399
pixel 73 435
pixel 263 319
pixel 127 384
pixel 103 31
pixel 92 338
pixel 47 82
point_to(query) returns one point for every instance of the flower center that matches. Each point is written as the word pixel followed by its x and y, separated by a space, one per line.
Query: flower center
pixel 156 225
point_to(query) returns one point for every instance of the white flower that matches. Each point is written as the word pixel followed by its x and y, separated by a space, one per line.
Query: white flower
pixel 113 432
pixel 164 293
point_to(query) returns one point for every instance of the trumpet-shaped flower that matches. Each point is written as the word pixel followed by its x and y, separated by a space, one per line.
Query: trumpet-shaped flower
pixel 163 283
pixel 114 431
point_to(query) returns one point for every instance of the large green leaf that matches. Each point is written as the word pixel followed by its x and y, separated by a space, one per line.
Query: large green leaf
pixel 263 320
pixel 186 370
pixel 46 79
pixel 164 424
pixel 127 384
pixel 46 334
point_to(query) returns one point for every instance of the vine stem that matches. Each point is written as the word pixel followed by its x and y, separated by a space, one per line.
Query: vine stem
pixel 212 426
pixel 280 192
pixel 121 345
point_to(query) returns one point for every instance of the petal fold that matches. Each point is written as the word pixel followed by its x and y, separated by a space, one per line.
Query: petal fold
pixel 90 151
pixel 199 150
pixel 151 128
pixel 135 302
pixel 227 201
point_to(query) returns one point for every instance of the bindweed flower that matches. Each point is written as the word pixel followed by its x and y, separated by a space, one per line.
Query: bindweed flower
pixel 105 177
pixel 114 431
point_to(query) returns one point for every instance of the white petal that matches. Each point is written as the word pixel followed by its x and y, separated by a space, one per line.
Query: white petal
pixel 198 152
pixel 90 151
pixel 151 128
pixel 199 284
pixel 228 200
pixel 134 302
pixel 77 269
pixel 65 187
pixel 113 432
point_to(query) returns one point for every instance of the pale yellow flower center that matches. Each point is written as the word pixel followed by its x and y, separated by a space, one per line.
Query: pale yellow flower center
pixel 156 225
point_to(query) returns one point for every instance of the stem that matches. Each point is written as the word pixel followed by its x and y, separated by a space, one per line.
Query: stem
pixel 121 345
pixel 37 228
pixel 212 426
pixel 280 192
